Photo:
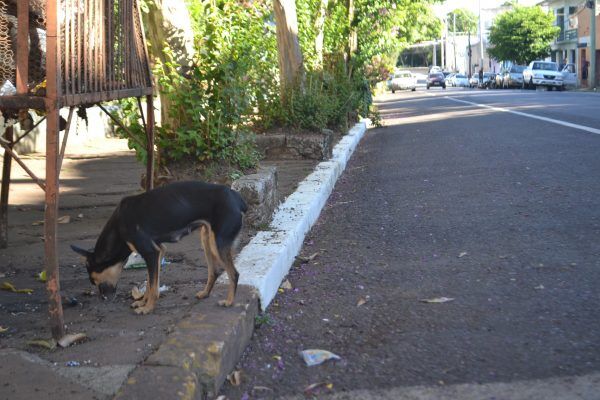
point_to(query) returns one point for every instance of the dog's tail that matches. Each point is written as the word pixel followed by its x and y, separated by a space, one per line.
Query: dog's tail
pixel 241 203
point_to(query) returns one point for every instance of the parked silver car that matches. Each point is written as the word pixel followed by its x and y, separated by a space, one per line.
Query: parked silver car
pixel 513 77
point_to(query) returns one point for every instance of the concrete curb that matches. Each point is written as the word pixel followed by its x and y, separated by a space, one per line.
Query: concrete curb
pixel 194 360
pixel 189 365
pixel 266 260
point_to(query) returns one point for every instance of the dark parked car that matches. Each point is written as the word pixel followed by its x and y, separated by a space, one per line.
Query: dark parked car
pixel 436 79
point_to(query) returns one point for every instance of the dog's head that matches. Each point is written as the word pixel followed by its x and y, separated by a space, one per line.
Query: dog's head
pixel 102 274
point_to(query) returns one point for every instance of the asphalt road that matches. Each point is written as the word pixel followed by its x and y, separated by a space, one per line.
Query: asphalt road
pixel 488 198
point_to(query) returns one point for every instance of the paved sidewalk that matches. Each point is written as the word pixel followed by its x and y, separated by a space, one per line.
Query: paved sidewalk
pixel 184 349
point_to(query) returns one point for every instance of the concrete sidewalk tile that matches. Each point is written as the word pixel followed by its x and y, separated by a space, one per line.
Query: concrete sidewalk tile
pixel 210 341
pixel 160 382
pixel 25 376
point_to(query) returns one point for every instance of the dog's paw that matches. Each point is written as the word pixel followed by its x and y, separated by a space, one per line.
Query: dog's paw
pixel 143 310
pixel 225 303
pixel 202 295
pixel 139 303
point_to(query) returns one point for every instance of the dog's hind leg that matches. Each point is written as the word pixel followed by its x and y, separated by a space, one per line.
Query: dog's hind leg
pixel 233 275
pixel 153 260
pixel 205 233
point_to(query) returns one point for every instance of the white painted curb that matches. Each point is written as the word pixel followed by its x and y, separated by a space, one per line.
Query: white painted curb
pixel 266 260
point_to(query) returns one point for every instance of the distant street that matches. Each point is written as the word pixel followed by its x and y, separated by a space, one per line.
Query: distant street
pixel 487 205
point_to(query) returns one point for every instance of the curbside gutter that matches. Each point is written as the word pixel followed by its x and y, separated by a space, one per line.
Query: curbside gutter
pixel 266 260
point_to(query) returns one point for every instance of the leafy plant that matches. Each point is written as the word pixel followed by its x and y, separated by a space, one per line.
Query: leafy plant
pixel 522 35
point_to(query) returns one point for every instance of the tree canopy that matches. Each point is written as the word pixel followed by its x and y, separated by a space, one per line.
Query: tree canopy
pixel 522 35
pixel 466 21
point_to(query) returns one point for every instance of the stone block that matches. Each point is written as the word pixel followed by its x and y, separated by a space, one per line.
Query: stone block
pixel 259 190
pixel 211 340
pixel 160 382
pixel 314 146
pixel 271 144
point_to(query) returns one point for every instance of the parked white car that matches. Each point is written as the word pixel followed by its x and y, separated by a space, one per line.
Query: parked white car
pixel 474 80
pixel 402 80
pixel 542 73
pixel 460 80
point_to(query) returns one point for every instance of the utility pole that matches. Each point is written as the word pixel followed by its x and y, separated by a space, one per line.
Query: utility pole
pixel 443 64
pixel 592 76
pixel 434 52
pixel 480 37
pixel 454 39
pixel 469 52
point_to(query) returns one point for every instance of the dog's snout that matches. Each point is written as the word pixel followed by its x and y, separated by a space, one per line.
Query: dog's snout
pixel 107 290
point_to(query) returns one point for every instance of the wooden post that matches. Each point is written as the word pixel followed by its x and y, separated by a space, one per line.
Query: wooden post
pixel 55 311
pixel 150 142
pixel 22 46
pixel 291 68
pixel 6 166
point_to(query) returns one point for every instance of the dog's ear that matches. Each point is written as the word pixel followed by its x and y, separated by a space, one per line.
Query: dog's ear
pixel 80 251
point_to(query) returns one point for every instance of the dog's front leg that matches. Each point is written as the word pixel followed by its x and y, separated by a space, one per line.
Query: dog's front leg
pixel 150 298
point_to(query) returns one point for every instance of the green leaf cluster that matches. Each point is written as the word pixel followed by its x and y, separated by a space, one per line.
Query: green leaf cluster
pixel 232 88
pixel 522 34
pixel 466 21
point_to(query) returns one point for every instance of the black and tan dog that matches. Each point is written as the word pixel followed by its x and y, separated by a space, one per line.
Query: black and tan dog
pixel 142 223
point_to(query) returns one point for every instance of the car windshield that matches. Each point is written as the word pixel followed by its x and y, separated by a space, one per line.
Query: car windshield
pixel 403 75
pixel 437 75
pixel 488 74
pixel 517 68
pixel 461 76
pixel 549 66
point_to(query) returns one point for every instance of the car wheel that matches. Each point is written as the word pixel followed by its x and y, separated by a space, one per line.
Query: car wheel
pixel 531 85
pixel 427 87
pixel 393 91
pixel 444 87
pixel 413 89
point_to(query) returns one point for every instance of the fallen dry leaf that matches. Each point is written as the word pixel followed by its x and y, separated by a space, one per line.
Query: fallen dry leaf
pixel 309 258
pixel 438 300
pixel 311 389
pixel 65 219
pixel 41 276
pixel 361 301
pixel 47 344
pixel 9 287
pixel 235 378
pixel 136 293
pixel 70 339
pixel 287 285
pixel 3 329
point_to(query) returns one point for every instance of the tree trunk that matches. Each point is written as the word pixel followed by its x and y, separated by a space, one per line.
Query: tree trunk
pixel 168 21
pixel 291 70
pixel 352 36
pixel 320 29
